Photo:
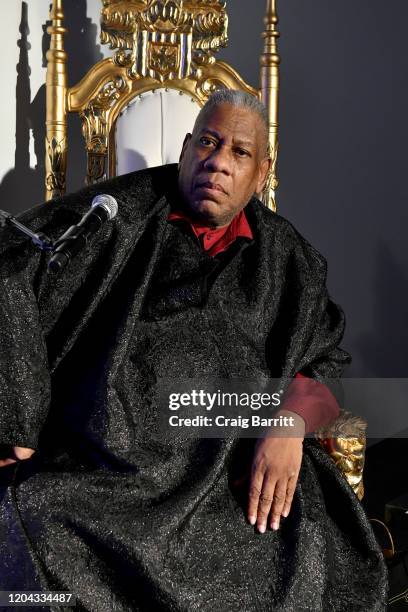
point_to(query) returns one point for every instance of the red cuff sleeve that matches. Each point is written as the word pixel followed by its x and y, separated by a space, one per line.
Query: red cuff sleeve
pixel 311 400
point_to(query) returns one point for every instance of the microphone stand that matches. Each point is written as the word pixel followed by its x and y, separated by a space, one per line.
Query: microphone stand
pixel 40 239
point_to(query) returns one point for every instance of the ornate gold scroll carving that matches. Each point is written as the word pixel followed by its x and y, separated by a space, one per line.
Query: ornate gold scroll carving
pixel 95 127
pixel 56 121
pixel 55 177
pixel 159 43
pixel 165 38
pixel 345 442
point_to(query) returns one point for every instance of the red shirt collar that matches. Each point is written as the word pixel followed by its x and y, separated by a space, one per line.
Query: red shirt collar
pixel 219 239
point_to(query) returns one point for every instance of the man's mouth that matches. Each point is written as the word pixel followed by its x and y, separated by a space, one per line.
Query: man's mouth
pixel 208 185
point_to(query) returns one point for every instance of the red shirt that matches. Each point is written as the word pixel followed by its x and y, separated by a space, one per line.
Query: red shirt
pixel 215 240
pixel 308 398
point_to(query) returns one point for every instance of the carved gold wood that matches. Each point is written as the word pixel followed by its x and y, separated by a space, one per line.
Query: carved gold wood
pixel 96 125
pixel 165 37
pixel 270 96
pixel 56 121
pixel 345 442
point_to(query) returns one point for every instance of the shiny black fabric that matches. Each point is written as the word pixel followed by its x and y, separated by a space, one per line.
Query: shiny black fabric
pixel 110 509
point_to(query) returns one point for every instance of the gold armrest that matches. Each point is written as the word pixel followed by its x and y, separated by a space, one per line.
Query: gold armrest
pixel 345 441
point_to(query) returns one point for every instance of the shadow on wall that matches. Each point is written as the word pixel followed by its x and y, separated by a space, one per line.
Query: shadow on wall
pixel 23 187
pixel 381 350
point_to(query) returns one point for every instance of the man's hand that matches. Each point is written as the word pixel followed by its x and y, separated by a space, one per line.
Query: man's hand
pixel 275 470
pixel 14 454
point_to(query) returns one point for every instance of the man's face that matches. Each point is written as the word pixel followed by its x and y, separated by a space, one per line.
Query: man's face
pixel 222 164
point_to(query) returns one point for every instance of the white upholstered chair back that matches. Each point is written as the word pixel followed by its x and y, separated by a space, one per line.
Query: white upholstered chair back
pixel 150 130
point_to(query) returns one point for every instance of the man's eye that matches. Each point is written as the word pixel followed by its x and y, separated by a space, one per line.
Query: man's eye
pixel 241 152
pixel 206 141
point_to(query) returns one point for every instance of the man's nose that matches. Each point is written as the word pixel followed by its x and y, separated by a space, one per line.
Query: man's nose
pixel 219 160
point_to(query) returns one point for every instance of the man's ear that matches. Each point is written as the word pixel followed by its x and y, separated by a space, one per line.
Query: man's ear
pixel 187 139
pixel 264 169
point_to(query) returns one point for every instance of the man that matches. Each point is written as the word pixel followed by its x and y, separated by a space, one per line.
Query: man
pixel 194 279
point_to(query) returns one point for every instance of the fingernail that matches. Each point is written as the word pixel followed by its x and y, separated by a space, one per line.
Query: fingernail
pixel 285 513
pixel 261 528
pixel 275 525
pixel 252 520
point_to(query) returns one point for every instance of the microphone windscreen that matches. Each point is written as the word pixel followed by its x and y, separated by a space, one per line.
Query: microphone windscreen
pixel 107 202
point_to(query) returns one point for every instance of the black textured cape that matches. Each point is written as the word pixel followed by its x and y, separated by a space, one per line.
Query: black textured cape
pixel 109 510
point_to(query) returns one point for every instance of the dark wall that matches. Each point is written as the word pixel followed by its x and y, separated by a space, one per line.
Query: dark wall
pixel 343 157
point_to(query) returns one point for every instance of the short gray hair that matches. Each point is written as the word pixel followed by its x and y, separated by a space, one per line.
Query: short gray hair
pixel 236 98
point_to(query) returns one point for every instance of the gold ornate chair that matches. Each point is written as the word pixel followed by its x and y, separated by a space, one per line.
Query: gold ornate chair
pixel 164 66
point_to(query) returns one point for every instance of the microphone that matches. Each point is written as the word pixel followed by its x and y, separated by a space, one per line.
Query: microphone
pixel 104 207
